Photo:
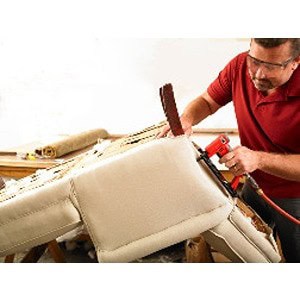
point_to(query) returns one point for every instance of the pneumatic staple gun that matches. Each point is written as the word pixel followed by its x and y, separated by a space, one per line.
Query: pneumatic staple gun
pixel 220 146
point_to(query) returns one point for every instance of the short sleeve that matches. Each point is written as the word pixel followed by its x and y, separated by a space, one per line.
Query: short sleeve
pixel 221 88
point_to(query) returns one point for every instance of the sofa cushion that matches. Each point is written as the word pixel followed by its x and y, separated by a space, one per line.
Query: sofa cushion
pixel 36 216
pixel 238 239
pixel 148 198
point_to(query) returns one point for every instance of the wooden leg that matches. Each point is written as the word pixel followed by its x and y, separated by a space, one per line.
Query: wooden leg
pixel 56 252
pixel 9 258
pixel 34 254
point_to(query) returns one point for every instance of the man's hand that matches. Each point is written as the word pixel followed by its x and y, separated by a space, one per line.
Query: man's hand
pixel 241 160
pixel 195 112
pixel 186 126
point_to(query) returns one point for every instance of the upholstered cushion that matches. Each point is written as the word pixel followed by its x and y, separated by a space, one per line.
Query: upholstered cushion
pixel 238 239
pixel 148 198
pixel 36 216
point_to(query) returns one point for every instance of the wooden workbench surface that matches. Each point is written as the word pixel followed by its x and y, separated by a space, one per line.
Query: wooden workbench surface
pixel 14 166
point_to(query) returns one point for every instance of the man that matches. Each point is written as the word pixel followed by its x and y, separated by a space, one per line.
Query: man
pixel 264 85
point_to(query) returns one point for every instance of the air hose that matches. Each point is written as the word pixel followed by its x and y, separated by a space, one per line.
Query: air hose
pixel 261 193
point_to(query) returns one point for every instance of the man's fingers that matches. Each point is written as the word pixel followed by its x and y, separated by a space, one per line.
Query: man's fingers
pixel 165 130
pixel 188 131
pixel 227 158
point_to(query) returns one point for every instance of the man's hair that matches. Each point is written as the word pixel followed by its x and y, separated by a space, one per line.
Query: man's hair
pixel 271 43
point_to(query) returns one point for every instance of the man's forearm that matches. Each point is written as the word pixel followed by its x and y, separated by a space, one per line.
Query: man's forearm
pixel 286 166
pixel 200 108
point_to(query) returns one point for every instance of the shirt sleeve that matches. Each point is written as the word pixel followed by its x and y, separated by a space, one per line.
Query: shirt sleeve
pixel 221 88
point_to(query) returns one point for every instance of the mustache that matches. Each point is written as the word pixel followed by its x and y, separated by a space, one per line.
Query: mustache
pixel 263 83
pixel 261 80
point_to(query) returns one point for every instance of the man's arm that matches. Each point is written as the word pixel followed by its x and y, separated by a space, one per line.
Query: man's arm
pixel 243 160
pixel 196 111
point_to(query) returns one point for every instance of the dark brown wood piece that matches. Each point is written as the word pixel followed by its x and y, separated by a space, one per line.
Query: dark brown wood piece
pixel 56 252
pixel 34 254
pixel 170 109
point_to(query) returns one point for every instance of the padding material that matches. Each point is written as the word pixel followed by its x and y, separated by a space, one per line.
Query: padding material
pixel 148 198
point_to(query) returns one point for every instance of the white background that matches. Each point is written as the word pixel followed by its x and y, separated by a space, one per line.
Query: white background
pixel 61 73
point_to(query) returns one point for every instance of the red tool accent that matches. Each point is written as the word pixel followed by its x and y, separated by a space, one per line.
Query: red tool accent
pixel 169 105
pixel 220 146
pixel 235 182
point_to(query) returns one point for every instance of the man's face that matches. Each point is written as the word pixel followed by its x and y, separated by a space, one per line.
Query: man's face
pixel 270 68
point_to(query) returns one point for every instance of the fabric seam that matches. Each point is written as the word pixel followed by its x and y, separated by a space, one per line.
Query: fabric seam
pixel 35 238
pixel 153 234
pixel 35 211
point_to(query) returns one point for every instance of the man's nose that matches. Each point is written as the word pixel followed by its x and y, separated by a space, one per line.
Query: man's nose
pixel 260 73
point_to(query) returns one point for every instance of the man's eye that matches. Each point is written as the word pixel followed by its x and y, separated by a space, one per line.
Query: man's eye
pixel 256 62
pixel 270 67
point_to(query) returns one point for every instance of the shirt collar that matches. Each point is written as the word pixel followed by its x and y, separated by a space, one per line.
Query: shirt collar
pixel 293 85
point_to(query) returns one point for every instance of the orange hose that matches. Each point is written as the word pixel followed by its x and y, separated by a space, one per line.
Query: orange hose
pixel 261 193
pixel 276 207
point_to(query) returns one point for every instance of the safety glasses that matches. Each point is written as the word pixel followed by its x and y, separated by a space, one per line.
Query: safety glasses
pixel 254 64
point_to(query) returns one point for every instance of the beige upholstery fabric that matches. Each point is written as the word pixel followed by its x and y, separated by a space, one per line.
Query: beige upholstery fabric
pixel 238 240
pixel 36 217
pixel 133 204
pixel 148 198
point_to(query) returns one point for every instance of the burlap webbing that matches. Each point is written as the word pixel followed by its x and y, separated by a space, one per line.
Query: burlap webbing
pixel 72 143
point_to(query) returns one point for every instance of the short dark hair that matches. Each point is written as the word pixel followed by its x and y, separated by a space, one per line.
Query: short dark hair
pixel 270 43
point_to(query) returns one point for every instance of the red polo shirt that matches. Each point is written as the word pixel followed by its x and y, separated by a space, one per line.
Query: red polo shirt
pixel 265 123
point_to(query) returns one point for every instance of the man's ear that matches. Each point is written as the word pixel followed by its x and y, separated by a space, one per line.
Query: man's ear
pixel 297 59
pixel 297 62
pixel 250 42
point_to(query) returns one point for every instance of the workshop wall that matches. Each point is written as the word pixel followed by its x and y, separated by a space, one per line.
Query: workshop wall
pixel 58 83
